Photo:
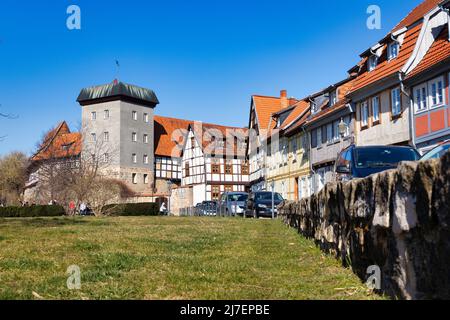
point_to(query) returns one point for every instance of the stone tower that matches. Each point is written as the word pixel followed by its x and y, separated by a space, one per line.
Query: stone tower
pixel 118 127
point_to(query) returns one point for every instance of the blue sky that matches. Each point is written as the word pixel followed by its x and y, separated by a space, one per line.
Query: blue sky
pixel 204 59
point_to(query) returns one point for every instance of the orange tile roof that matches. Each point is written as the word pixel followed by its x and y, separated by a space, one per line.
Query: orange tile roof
pixel 265 106
pixel 438 52
pixel 341 104
pixel 59 143
pixel 298 123
pixel 167 130
pixel 387 68
pixel 297 111
pixel 417 13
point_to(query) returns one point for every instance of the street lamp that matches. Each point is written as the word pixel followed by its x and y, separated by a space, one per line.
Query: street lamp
pixel 343 127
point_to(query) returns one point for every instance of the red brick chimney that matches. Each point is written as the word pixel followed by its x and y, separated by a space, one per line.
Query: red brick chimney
pixel 283 99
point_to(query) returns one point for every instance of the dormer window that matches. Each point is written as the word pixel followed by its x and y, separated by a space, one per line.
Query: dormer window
pixel 372 63
pixel 393 49
pixel 333 97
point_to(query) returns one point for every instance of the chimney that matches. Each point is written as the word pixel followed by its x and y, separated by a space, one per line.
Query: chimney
pixel 283 99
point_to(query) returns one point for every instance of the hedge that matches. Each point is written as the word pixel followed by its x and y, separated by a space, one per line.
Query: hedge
pixel 131 209
pixel 32 211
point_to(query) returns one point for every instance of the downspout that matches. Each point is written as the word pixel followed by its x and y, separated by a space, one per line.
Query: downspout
pixel 401 76
pixel 313 185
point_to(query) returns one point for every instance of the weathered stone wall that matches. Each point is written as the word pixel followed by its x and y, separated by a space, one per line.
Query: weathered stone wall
pixel 398 220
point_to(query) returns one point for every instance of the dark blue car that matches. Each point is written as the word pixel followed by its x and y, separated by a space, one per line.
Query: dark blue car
pixel 360 162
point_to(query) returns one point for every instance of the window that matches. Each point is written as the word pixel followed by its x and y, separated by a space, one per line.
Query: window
pixel 145 178
pixel 134 137
pixel 192 142
pixel 106 114
pixel 106 157
pixel 436 92
pixel 372 63
pixel 393 50
pixel 396 108
pixel 145 159
pixel 134 158
pixel 215 167
pixel 376 110
pixel 215 193
pixel 228 189
pixel 106 136
pixel 319 137
pixel 336 130
pixel 420 98
pixel 364 114
pixel 93 115
pixel 186 169
pixel 313 138
pixel 228 168
pixel 244 168
pixel 333 97
pixel 94 137
pixel 134 115
pixel 134 178
pixel 330 132
pixel 146 117
pixel 145 138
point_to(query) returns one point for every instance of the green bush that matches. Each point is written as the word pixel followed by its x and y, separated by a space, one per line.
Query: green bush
pixel 131 209
pixel 32 211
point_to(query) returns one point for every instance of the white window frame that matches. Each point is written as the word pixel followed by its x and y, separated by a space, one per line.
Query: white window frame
pixel 372 62
pixel 423 90
pixel 106 114
pixel 134 137
pixel 105 157
pixel 145 138
pixel 106 136
pixel 93 115
pixel 330 134
pixel 394 104
pixel 134 158
pixel 134 115
pixel 364 111
pixel 436 82
pixel 145 159
pixel 375 98
pixel 146 117
pixel 390 53
pixel 94 137
pixel 145 178
pixel 134 178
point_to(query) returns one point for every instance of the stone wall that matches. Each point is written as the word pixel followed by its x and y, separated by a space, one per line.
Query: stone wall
pixel 398 220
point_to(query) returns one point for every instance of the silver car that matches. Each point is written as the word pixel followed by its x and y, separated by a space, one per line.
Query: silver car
pixel 232 203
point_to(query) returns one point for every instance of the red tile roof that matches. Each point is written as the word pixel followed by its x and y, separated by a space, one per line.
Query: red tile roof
pixel 417 13
pixel 438 52
pixel 265 106
pixel 170 132
pixel 59 143
pixel 297 111
pixel 387 68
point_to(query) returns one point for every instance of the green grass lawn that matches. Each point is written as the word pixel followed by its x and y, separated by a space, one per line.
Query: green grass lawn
pixel 167 258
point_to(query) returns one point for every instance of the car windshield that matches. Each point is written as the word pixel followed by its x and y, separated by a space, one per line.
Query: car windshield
pixel 266 196
pixel 375 157
pixel 437 152
pixel 238 197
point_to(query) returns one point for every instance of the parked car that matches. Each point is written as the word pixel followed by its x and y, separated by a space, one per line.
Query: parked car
pixel 437 151
pixel 259 204
pixel 359 162
pixel 232 203
pixel 209 208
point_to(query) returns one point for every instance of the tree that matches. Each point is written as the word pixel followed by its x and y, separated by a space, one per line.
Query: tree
pixel 13 176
